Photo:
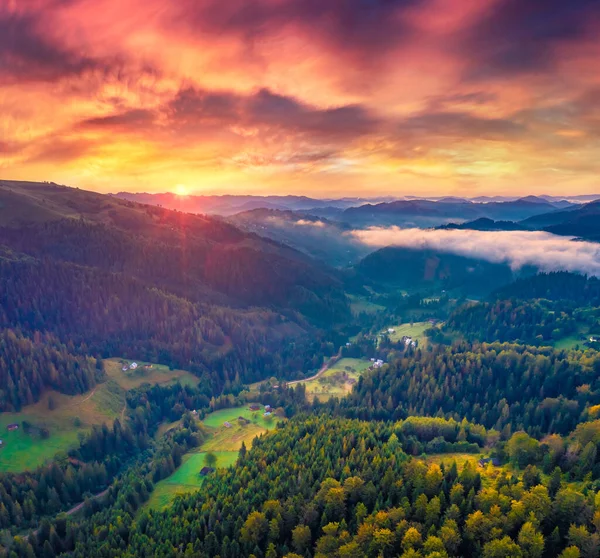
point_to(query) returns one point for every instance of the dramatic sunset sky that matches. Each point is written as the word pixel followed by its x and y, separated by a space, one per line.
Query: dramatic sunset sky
pixel 315 97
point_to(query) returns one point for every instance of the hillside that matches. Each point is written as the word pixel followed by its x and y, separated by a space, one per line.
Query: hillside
pixel 318 237
pixel 197 257
pixel 426 213
pixel 418 268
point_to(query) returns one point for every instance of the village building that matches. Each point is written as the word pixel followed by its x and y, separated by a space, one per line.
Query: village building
pixel 227 424
pixel 493 460
pixel 254 407
pixel 12 427
pixel 206 471
pixel 134 365
pixel 268 408
pixel 267 414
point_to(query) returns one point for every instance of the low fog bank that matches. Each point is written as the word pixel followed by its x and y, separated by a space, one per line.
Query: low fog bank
pixel 546 251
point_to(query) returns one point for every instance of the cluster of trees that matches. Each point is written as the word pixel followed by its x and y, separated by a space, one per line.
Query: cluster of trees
pixel 191 256
pixel 118 504
pixel 534 322
pixel 29 366
pixel 535 310
pixel 503 386
pixel 102 313
pixel 331 487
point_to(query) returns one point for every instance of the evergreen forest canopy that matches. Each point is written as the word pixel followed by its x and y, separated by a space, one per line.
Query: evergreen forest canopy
pixel 391 468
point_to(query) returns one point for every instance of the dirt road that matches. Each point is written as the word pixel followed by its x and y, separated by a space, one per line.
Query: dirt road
pixel 322 370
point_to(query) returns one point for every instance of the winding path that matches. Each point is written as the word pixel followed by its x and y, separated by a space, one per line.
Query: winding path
pixel 322 370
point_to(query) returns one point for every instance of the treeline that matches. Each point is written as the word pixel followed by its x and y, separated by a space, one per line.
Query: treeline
pixel 533 322
pixel 194 257
pixel 103 454
pixel 501 386
pixel 536 310
pixel 29 366
pixel 327 487
pixel 115 509
pixel 95 312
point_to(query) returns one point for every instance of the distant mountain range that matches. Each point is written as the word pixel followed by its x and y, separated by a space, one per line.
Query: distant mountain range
pixel 581 221
pixel 332 208
pixel 427 213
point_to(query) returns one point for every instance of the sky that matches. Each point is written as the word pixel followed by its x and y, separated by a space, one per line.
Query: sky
pixel 326 98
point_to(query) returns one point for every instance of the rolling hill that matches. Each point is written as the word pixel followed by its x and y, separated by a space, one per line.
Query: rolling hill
pixel 321 238
pixel 110 277
pixel 418 268
pixel 426 213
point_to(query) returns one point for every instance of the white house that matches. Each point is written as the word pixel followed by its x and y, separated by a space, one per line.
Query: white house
pixel 133 365
pixel 391 330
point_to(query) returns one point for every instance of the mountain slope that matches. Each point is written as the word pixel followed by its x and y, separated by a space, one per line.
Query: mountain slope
pixel 425 213
pixel 416 268
pixel 318 237
pixel 193 256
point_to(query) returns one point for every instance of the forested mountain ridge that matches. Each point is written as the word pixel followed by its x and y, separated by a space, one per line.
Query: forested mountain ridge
pixel 539 309
pixel 193 256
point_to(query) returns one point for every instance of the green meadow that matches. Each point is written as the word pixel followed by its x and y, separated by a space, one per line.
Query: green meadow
pixel 338 380
pixel 224 442
pixel 67 417
pixel 186 478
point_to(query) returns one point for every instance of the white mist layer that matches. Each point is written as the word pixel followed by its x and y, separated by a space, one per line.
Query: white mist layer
pixel 546 251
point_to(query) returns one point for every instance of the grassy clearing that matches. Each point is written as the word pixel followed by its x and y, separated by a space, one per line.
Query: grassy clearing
pixel 416 331
pixel 158 374
pixel 223 442
pixel 186 478
pixel 71 416
pixel 338 380
pixel 359 305
pixel 218 418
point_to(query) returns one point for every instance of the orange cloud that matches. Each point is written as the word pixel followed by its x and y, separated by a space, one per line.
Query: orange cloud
pixel 304 96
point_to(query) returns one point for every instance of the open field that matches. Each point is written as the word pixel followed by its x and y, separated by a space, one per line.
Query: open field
pixel 186 478
pixel 337 381
pixel 359 304
pixel 224 442
pixel 158 374
pixel 216 419
pixel 74 415
pixel 71 416
pixel 416 331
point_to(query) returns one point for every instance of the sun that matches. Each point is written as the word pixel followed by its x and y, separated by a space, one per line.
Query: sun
pixel 181 190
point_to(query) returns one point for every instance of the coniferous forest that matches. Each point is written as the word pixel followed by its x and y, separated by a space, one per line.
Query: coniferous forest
pixel 478 437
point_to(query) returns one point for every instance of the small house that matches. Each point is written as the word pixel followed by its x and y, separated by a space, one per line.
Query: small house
pixel 267 414
pixel 125 368
pixel 12 427
pixel 254 407
pixel 195 413
pixel 206 471
pixel 227 424
pixel 268 408
pixel 133 365
pixel 391 330
pixel 485 460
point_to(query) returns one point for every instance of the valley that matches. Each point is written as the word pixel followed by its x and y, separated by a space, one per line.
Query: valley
pixel 236 381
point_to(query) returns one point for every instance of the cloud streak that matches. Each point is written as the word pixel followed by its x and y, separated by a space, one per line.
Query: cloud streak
pixel 546 251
